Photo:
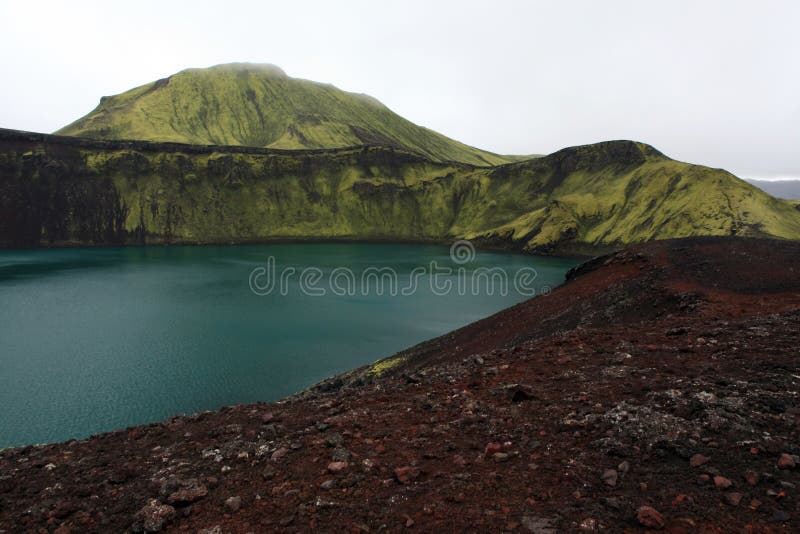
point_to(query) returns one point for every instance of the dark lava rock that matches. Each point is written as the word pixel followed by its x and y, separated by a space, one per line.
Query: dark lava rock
pixel 650 517
pixel 233 504
pixel 190 494
pixel 153 517
pixel 406 474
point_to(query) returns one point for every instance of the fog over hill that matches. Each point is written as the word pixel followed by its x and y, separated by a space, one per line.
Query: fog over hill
pixel 788 189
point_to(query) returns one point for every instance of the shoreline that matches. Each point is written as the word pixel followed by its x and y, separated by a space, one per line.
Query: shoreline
pixel 591 251
pixel 79 437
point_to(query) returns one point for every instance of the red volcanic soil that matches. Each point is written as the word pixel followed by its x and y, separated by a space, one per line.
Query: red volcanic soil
pixel 656 390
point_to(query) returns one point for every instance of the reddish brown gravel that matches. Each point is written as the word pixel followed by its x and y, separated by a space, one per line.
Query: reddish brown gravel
pixel 656 390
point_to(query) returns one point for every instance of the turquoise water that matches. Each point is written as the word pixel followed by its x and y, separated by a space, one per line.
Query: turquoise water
pixel 97 339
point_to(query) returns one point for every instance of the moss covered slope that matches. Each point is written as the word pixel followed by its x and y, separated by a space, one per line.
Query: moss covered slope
pixel 623 192
pixel 62 190
pixel 259 105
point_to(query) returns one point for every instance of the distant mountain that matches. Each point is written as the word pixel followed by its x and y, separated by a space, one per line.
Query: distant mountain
pixel 62 190
pixel 789 189
pixel 259 105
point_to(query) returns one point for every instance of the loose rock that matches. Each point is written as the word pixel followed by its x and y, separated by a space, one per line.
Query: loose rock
pixel 406 474
pixel 153 517
pixel 500 457
pixel 751 477
pixel 233 503
pixel 280 453
pixel 733 498
pixel 786 461
pixel 187 495
pixel 650 517
pixel 336 467
pixel 722 483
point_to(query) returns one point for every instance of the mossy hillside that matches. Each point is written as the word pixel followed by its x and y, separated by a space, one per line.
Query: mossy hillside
pixel 259 105
pixel 619 198
pixel 56 190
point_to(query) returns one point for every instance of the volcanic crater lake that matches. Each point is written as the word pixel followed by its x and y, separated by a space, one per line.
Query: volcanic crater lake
pixel 93 340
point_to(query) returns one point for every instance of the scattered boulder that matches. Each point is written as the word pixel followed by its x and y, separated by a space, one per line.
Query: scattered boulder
pixel 336 467
pixel 650 517
pixel 340 454
pixel 406 474
pixel 610 477
pixel 268 473
pixel 233 504
pixel 492 448
pixel 698 459
pixel 500 457
pixel 677 331
pixel 334 439
pixel 187 495
pixel 280 453
pixel 786 461
pixel 733 498
pixel 538 525
pixel 519 393
pixel 722 483
pixel 183 491
pixel 751 477
pixel 153 517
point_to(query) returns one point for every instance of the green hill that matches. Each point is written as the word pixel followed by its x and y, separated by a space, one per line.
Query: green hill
pixel 62 190
pixel 258 105
pixel 622 192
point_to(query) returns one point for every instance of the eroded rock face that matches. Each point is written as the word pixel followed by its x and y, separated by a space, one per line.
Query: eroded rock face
pixel 64 191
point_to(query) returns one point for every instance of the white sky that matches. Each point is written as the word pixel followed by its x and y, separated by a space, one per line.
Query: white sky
pixel 709 82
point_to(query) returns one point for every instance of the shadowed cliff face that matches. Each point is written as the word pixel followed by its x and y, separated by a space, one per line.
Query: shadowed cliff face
pixel 53 198
pixel 61 191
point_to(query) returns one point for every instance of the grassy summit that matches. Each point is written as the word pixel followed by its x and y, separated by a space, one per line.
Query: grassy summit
pixel 259 105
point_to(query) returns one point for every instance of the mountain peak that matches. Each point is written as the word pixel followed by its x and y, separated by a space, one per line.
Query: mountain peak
pixel 262 69
pixel 258 104
pixel 600 154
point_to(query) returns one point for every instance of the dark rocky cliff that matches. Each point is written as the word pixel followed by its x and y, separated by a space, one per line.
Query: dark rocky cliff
pixel 59 191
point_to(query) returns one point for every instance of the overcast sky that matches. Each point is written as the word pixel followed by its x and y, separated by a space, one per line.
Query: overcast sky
pixel 716 83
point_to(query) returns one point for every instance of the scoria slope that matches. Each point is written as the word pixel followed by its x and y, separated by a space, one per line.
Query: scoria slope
pixel 259 105
pixel 656 389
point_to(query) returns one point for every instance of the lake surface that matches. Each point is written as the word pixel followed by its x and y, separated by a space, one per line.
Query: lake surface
pixel 97 339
